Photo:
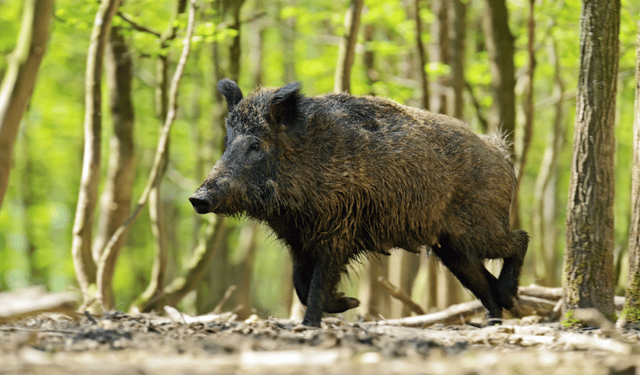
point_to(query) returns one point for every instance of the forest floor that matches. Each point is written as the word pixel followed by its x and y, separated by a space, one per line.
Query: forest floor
pixel 118 343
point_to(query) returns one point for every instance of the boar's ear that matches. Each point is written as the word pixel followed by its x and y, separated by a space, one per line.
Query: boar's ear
pixel 283 108
pixel 230 91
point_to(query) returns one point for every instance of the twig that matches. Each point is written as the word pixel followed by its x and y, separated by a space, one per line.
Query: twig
pixel 396 293
pixel 107 260
pixel 225 298
pixel 136 26
pixel 39 330
pixel 476 105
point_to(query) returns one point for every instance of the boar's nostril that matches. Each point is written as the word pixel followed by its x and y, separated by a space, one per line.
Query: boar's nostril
pixel 202 206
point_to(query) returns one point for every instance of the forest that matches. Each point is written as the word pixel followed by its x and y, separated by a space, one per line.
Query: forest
pixel 124 123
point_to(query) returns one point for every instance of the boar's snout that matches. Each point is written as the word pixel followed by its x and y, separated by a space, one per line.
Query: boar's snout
pixel 201 201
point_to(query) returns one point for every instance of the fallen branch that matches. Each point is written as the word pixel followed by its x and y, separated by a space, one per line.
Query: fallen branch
pixel 527 305
pixel 396 293
pixel 555 294
pixel 35 300
pixel 454 314
pixel 463 312
pixel 538 291
pixel 178 316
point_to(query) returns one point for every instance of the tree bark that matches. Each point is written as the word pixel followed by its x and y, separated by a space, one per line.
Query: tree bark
pixel 368 59
pixel 245 271
pixel 501 48
pixel 440 38
pixel 422 58
pixel 82 227
pixel 545 211
pixel 221 273
pixel 347 50
pixel 106 266
pixel 588 262
pixel 500 45
pixel 37 275
pixel 527 133
pixel 116 198
pixel 374 301
pixel 288 32
pixel 156 209
pixel 20 79
pixel 458 47
pixel 235 49
pixel 631 312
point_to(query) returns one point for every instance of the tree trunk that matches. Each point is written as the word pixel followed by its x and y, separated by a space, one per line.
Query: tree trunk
pixel 288 32
pixel 374 300
pixel 588 262
pixel 433 268
pixel 37 274
pixel 245 274
pixel 347 51
pixel 83 224
pixel 106 266
pixel 235 49
pixel 440 39
pixel 422 57
pixel 20 79
pixel 156 209
pixel 527 133
pixel 368 59
pixel 631 312
pixel 500 45
pixel 116 198
pixel 545 211
pixel 458 44
pixel 258 52
pixel 221 273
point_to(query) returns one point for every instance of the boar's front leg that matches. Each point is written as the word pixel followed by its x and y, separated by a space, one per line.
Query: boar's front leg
pixel 315 285
pixel 315 297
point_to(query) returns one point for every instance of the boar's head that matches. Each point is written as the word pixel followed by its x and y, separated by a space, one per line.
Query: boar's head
pixel 244 180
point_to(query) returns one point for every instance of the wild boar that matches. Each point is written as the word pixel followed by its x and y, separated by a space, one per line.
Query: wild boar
pixel 338 176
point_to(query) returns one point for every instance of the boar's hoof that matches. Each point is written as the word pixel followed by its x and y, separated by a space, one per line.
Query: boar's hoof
pixel 339 303
pixel 202 206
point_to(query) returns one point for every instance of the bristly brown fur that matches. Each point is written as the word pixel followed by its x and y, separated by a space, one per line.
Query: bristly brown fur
pixel 337 176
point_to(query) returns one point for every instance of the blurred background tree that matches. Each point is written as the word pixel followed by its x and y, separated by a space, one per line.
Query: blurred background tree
pixel 436 55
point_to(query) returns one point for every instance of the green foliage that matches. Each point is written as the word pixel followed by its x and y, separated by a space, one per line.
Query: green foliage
pixel 569 321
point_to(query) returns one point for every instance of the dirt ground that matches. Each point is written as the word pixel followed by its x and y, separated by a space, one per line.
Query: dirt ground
pixel 122 344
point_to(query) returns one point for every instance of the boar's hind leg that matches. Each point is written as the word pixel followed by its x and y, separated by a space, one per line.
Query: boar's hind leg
pixel 472 274
pixel 510 273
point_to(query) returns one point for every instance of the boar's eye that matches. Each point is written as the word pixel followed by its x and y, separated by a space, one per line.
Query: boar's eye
pixel 254 146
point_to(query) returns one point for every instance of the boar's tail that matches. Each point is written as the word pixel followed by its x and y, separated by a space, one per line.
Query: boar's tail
pixel 498 140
